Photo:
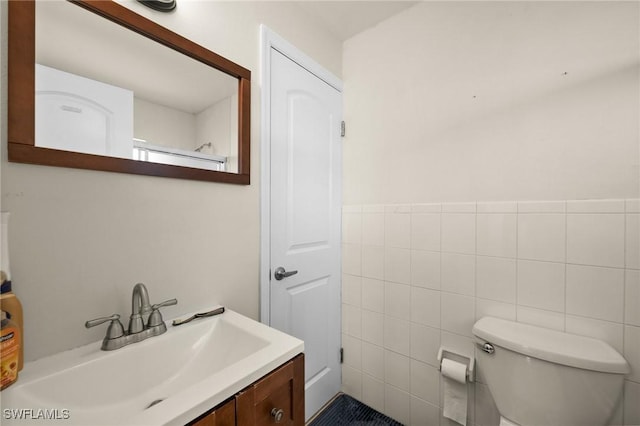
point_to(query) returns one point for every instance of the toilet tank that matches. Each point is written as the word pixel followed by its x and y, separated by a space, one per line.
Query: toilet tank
pixel 539 376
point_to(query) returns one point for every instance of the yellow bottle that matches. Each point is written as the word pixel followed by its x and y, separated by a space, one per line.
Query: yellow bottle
pixel 9 351
pixel 8 301
pixel 10 304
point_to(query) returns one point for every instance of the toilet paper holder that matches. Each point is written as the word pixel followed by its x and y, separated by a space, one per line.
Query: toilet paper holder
pixel 470 362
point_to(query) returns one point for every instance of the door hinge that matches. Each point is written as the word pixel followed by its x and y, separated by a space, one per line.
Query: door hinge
pixel 342 129
pixel 341 355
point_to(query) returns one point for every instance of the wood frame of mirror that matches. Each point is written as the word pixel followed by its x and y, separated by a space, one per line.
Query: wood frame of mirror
pixel 21 96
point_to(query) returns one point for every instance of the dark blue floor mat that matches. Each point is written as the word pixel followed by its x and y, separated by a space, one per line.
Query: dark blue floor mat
pixel 346 411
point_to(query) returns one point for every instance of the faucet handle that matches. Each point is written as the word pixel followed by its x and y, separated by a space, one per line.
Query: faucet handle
pixel 169 302
pixel 115 329
pixel 155 319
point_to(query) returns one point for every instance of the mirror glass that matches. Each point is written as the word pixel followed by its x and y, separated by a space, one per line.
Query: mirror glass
pixel 104 89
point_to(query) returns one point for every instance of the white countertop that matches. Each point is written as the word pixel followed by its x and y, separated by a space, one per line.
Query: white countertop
pixel 192 368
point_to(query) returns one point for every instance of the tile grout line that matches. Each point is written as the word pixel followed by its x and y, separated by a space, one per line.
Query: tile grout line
pixel 517 260
pixel 440 215
pixel 624 306
pixel 566 265
pixel 475 302
pixel 384 307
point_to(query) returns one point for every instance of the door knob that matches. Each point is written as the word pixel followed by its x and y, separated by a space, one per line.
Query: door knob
pixel 280 273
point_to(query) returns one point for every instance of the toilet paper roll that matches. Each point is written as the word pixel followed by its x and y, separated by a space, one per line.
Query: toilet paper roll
pixel 454 370
pixel 455 391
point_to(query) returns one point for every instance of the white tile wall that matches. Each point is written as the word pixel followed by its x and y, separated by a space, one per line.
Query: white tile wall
pixel 496 278
pixel 397 265
pixel 596 239
pixel 372 326
pixel 352 259
pixel 542 206
pixel 540 317
pixel 497 207
pixel 373 360
pixel 541 237
pixel 397 230
pixel 373 392
pixel 491 308
pixel 372 295
pixel 352 227
pixel 459 233
pixel 424 413
pixel 457 313
pixel 425 306
pixel 458 273
pixel 397 300
pixel 352 381
pixel 373 229
pixel 496 234
pixel 424 344
pixel 425 269
pixel 418 276
pixel 397 404
pixel 372 262
pixel 541 285
pixel 632 297
pixel 425 382
pixel 397 335
pixel 353 351
pixel 595 292
pixel 425 231
pixel 632 241
pixel 397 370
pixel 352 289
pixel 610 332
pixel 596 206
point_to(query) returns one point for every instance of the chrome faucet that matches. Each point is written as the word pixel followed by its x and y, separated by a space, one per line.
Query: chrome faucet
pixel 139 306
pixel 116 336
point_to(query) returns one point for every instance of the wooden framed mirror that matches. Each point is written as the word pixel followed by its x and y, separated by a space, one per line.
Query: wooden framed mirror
pixel 26 143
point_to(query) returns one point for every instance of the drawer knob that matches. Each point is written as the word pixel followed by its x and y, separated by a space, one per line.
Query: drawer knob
pixel 277 414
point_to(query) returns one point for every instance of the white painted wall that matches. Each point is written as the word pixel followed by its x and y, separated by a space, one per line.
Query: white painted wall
pixel 162 125
pixel 455 101
pixel 218 125
pixel 80 240
pixel 165 126
pixel 478 102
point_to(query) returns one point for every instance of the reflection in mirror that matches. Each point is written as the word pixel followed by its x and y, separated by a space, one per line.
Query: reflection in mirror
pixel 103 89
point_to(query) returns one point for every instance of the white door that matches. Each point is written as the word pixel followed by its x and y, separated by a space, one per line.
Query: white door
pixel 305 207
pixel 74 113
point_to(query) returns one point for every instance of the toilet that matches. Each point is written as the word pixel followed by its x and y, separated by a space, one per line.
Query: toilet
pixel 542 377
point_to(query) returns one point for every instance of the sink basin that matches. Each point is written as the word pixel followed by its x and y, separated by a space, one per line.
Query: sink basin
pixel 169 379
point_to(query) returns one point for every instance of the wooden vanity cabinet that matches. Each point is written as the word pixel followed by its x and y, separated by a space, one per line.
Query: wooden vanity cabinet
pixel 275 399
pixel 222 415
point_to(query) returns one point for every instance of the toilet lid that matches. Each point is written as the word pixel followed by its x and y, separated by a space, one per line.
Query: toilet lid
pixel 551 345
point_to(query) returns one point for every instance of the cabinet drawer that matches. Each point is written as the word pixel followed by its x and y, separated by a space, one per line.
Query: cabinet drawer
pixel 277 398
pixel 222 415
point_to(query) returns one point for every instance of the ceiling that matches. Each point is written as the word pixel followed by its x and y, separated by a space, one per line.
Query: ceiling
pixel 344 19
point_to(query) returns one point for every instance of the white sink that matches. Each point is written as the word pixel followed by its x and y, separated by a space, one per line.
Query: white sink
pixel 189 369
